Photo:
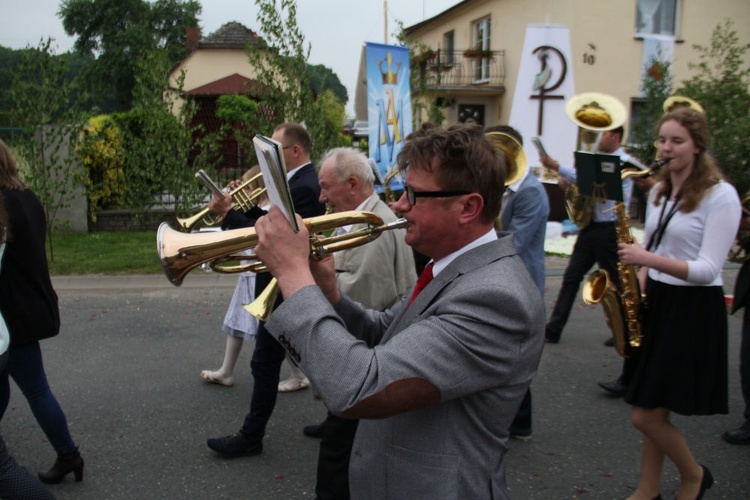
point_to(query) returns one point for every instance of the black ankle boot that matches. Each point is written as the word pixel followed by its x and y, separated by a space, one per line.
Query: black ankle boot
pixel 65 464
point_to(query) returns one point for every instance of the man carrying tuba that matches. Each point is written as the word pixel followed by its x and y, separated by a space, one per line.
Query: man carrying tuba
pixel 597 241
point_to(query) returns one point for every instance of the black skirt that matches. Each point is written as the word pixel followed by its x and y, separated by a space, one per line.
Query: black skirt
pixel 682 364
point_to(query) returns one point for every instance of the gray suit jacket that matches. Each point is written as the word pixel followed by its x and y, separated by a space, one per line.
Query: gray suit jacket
pixel 438 382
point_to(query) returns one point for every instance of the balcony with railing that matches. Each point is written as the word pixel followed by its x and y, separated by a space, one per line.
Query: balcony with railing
pixel 460 70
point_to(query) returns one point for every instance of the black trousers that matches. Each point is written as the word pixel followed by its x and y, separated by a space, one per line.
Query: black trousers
pixel 268 356
pixel 522 421
pixel 596 244
pixel 333 458
pixel 745 363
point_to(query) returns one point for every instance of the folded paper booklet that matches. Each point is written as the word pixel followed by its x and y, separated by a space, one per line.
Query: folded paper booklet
pixel 599 176
pixel 537 142
pixel 271 162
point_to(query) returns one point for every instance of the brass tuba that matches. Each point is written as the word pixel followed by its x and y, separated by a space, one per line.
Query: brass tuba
pixel 515 160
pixel 243 201
pixel 677 101
pixel 180 252
pixel 594 113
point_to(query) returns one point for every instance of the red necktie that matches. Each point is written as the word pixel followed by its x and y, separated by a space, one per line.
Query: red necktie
pixel 422 282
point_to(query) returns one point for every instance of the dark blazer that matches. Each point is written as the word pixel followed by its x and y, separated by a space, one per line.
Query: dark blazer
pixel 27 300
pixel 305 191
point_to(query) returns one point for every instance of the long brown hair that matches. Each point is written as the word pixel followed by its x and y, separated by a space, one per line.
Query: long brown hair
pixel 9 178
pixel 4 228
pixel 706 172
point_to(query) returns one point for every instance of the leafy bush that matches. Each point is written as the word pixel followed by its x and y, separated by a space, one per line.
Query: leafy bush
pixel 103 158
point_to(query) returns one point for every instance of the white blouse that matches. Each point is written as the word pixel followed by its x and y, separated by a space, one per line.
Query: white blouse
pixel 702 237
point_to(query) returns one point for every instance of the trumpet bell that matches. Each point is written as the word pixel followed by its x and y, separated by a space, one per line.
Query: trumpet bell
pixel 514 155
pixel 596 111
pixel 677 101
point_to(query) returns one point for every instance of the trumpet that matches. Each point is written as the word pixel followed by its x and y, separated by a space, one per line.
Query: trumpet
pixel 180 252
pixel 243 201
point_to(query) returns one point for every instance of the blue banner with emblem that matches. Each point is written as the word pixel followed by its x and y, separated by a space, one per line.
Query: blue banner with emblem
pixel 389 111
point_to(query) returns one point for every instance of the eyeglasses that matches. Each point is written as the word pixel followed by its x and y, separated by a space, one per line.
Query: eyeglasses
pixel 411 195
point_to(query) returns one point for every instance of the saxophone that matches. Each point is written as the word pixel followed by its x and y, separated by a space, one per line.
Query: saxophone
pixel 622 308
pixel 578 207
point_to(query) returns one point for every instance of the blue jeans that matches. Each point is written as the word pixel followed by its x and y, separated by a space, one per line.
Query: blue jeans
pixel 26 367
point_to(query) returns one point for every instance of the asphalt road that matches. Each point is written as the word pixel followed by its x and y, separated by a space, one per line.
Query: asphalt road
pixel 126 366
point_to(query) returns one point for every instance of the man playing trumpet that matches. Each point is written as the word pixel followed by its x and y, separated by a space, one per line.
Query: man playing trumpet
pixel 268 355
pixel 436 379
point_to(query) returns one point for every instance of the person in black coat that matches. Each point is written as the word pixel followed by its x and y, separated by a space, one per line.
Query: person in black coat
pixel 268 354
pixel 29 305
pixel 15 481
pixel 741 435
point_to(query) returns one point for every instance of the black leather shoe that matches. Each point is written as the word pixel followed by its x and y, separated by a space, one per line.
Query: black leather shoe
pixel 706 482
pixel 615 387
pixel 519 433
pixel 236 445
pixel 738 436
pixel 313 431
pixel 551 337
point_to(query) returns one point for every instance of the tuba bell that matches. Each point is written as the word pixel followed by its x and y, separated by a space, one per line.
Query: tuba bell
pixel 678 101
pixel 593 113
pixel 515 160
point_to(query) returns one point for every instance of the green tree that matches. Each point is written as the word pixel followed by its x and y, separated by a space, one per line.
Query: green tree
pixel 157 142
pixel 656 86
pixel 720 85
pixel 44 105
pixel 280 56
pixel 323 78
pixel 117 31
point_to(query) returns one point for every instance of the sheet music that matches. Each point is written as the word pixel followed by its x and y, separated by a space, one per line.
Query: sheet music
pixel 271 163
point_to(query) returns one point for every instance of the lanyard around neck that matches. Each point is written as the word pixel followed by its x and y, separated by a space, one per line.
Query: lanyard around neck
pixel 663 221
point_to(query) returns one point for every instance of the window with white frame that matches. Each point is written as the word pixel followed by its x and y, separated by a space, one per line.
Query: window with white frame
pixel 657 17
pixel 481 35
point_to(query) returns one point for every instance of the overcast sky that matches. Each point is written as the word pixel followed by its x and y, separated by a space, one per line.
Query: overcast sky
pixel 336 29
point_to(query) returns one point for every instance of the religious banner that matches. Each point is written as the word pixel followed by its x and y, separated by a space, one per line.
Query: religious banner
pixel 545 82
pixel 389 111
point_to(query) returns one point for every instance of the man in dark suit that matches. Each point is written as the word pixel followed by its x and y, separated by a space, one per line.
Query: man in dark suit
pixel 268 355
pixel 741 435
pixel 436 380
